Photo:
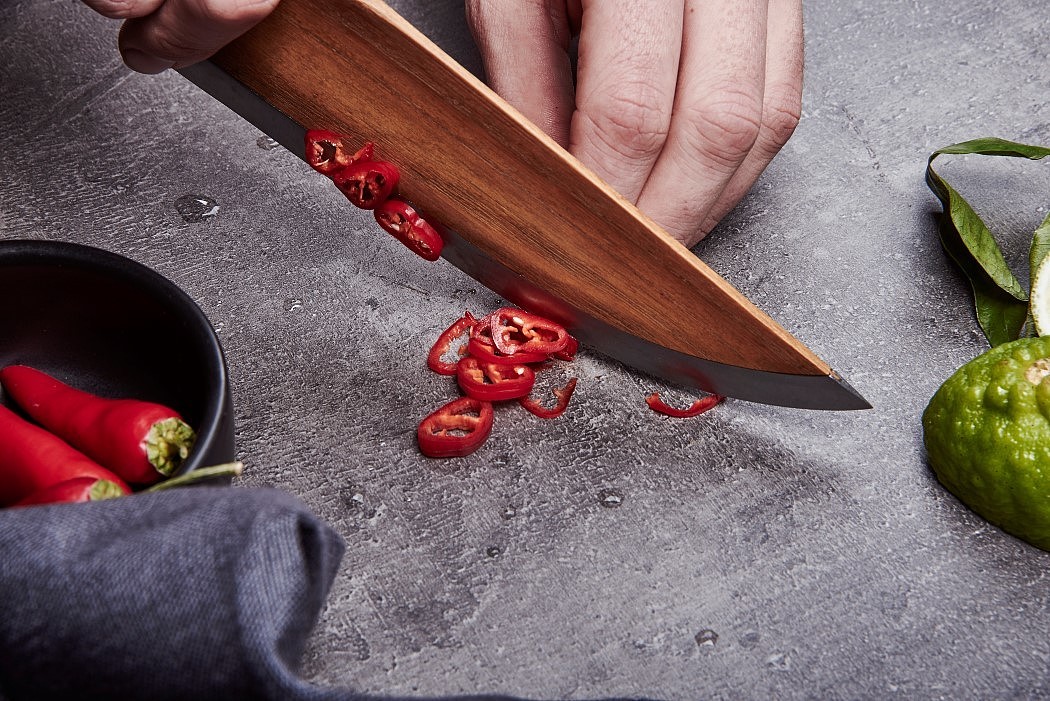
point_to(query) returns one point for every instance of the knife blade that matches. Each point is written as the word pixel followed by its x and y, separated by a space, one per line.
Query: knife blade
pixel 531 222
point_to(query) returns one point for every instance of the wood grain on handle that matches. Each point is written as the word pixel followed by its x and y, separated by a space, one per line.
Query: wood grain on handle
pixel 472 162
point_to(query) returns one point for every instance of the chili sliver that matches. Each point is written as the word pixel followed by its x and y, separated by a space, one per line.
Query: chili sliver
pixel 436 357
pixel 516 330
pixel 455 429
pixel 402 221
pixel 562 394
pixel 695 409
pixel 494 382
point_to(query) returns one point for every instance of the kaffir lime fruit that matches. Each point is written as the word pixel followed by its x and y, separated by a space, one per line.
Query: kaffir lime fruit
pixel 987 435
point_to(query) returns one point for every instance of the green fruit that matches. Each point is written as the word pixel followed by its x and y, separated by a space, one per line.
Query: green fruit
pixel 987 436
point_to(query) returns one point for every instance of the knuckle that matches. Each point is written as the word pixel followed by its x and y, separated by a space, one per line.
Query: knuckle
pixel 172 45
pixel 781 115
pixel 633 123
pixel 724 126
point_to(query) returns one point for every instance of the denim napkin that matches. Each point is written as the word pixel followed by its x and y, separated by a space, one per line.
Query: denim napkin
pixel 193 593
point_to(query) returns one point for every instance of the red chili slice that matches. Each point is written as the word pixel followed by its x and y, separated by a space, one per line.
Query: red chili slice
pixel 514 330
pixel 563 395
pixel 482 348
pixel 401 220
pixel 455 429
pixel 494 382
pixel 569 351
pixel 435 359
pixel 327 152
pixel 367 184
pixel 695 409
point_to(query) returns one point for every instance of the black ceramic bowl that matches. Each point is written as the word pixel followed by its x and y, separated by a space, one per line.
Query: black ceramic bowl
pixel 108 325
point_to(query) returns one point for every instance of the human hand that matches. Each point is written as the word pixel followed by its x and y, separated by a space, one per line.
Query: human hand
pixel 679 104
pixel 161 34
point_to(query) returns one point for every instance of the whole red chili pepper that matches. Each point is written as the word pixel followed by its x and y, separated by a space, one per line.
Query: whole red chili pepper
pixel 455 429
pixel 138 440
pixel 327 152
pixel 367 184
pixel 514 330
pixel 494 382
pixel 32 459
pixel 563 394
pixel 436 357
pixel 401 220
pixel 75 490
pixel 695 409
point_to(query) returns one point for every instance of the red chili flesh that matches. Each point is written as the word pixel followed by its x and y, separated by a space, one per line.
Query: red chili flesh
pixel 515 330
pixel 455 429
pixel 482 346
pixel 436 357
pixel 33 459
pixel 140 441
pixel 78 489
pixel 494 382
pixel 367 184
pixel 401 220
pixel 562 394
pixel 327 152
pixel 695 409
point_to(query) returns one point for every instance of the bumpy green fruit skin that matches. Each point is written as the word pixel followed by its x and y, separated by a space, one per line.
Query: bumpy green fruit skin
pixel 987 437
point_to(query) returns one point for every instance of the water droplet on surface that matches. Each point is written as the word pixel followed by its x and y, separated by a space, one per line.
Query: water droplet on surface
pixel 610 498
pixel 266 143
pixel 353 498
pixel 508 513
pixel 706 638
pixel 293 304
pixel 494 551
pixel 196 208
pixel 778 662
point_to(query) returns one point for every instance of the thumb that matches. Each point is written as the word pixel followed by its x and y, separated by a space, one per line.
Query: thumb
pixel 181 32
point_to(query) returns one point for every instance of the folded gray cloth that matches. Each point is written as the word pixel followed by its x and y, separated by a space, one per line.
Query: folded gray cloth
pixel 193 593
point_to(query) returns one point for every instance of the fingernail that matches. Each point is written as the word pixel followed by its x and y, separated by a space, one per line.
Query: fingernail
pixel 145 63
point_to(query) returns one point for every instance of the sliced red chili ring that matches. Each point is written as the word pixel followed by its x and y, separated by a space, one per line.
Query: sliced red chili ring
pixel 401 220
pixel 455 429
pixel 435 359
pixel 494 382
pixel 327 152
pixel 563 394
pixel 515 330
pixel 367 183
pixel 569 351
pixel 481 347
pixel 695 409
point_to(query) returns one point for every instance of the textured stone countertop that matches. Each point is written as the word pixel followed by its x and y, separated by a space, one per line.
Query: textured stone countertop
pixel 757 552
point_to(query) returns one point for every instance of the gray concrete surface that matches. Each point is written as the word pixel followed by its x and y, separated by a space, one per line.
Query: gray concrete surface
pixel 756 553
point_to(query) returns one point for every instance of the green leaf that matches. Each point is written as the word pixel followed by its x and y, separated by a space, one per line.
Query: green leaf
pixel 1000 301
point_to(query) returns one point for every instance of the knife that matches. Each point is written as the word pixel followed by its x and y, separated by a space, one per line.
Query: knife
pixel 531 222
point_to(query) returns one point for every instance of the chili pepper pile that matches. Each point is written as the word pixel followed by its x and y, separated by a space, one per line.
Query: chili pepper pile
pixel 372 184
pixel 497 362
pixel 76 446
